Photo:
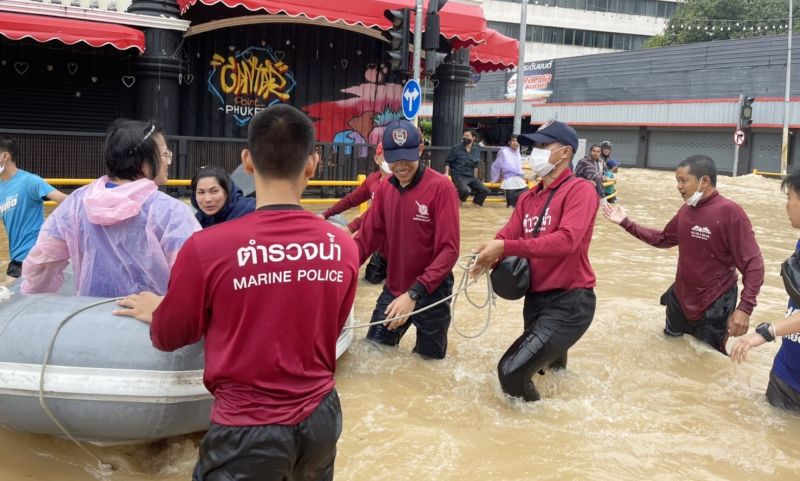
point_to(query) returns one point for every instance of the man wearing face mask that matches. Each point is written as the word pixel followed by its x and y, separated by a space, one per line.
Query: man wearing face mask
pixel 552 227
pixel 715 239
pixel 462 165
pixel 22 196
pixel 414 216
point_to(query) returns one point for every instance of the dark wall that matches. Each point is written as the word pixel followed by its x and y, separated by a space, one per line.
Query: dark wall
pixel 59 87
pixel 319 65
pixel 723 69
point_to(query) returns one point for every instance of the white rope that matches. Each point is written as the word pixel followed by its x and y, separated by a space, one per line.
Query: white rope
pixel 463 286
pixel 103 465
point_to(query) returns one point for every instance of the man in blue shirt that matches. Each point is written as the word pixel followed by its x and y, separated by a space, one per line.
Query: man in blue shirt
pixel 22 197
pixel 462 165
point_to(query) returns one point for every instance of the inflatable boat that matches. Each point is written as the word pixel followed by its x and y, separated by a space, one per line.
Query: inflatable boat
pixel 67 360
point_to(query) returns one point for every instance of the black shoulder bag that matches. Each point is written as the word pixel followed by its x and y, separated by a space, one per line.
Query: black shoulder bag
pixel 511 279
pixel 790 273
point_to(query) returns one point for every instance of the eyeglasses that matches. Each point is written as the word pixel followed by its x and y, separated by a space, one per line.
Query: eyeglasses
pixel 168 156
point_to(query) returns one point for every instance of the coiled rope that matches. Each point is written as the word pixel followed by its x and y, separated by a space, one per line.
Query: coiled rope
pixel 465 263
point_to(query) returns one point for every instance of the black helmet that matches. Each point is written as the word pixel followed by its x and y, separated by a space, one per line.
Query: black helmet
pixel 605 144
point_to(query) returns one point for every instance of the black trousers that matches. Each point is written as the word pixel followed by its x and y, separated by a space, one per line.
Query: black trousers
pixel 554 321
pixel 711 329
pixel 468 185
pixel 302 452
pixel 14 269
pixel 513 195
pixel 432 325
pixel 782 395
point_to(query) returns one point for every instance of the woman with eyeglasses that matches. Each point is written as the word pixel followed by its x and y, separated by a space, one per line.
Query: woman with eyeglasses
pixel 217 198
pixel 120 233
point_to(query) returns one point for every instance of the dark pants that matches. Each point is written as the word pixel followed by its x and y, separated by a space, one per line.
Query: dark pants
pixel 14 269
pixel 302 452
pixel 431 325
pixel 711 329
pixel 554 321
pixel 467 185
pixel 513 195
pixel 375 272
pixel 782 395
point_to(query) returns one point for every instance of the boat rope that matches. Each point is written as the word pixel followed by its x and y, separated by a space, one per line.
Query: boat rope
pixel 43 403
pixel 465 263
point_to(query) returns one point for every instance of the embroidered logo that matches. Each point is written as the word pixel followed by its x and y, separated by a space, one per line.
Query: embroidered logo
pixel 422 213
pixel 703 233
pixel 399 136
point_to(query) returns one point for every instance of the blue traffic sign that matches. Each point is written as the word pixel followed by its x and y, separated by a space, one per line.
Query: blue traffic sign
pixel 412 99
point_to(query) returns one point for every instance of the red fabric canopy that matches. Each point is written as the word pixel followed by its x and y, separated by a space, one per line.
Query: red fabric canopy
pixel 463 24
pixel 498 53
pixel 17 26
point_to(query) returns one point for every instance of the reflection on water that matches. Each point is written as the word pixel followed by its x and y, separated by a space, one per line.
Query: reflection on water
pixel 632 405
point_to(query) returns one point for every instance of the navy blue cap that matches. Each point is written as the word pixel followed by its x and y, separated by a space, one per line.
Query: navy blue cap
pixel 554 131
pixel 401 141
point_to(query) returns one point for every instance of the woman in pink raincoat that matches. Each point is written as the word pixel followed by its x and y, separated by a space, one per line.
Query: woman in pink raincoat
pixel 119 232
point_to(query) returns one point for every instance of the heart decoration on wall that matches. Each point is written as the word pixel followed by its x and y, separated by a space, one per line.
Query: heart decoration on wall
pixel 3 62
pixel 435 83
pixel 94 79
pixel 188 78
pixel 280 55
pixel 21 67
pixel 72 67
pixel 49 67
pixel 344 63
pixel 128 80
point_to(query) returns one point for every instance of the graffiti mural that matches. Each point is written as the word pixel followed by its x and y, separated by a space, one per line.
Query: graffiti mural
pixel 248 81
pixel 360 117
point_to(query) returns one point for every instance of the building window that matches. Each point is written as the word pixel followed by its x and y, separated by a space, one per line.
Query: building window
pixel 569 36
pixel 649 8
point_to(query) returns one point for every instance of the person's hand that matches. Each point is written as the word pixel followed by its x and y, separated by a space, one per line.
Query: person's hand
pixel 399 307
pixel 614 213
pixel 488 254
pixel 140 306
pixel 738 323
pixel 321 216
pixel 744 344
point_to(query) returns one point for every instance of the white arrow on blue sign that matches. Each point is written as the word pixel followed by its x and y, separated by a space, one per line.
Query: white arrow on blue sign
pixel 412 99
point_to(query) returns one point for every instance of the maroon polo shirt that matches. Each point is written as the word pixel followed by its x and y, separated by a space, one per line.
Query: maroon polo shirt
pixel 714 239
pixel 363 193
pixel 269 293
pixel 559 255
pixel 417 228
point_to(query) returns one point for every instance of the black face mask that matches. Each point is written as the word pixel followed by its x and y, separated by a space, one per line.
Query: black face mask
pixel 466 141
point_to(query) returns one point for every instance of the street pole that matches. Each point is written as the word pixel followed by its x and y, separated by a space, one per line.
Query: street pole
pixel 417 44
pixel 738 126
pixel 523 28
pixel 785 139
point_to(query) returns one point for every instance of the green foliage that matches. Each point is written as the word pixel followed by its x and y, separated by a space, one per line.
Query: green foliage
pixel 426 126
pixel 707 20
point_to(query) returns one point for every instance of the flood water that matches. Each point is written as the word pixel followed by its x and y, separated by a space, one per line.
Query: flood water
pixel 632 405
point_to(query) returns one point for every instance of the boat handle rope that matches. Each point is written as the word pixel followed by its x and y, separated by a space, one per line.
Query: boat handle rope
pixel 103 465
pixel 465 263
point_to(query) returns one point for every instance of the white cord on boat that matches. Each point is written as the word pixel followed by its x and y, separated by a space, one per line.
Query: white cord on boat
pixel 43 403
pixel 463 285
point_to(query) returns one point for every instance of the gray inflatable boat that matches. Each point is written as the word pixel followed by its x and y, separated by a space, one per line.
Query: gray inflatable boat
pixel 103 380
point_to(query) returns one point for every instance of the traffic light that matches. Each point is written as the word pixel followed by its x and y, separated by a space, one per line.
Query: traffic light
pixel 430 42
pixel 746 113
pixel 398 37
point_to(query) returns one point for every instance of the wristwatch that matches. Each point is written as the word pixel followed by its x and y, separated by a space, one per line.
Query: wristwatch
pixel 766 333
pixel 414 295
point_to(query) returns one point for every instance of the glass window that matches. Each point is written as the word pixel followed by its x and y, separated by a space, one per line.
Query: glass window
pixel 569 36
pixel 602 5
pixel 578 37
pixel 652 8
pixel 588 39
pixel 630 7
pixel 616 41
pixel 599 39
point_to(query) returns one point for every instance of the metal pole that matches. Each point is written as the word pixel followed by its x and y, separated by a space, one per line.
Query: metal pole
pixel 523 28
pixel 785 139
pixel 417 44
pixel 738 126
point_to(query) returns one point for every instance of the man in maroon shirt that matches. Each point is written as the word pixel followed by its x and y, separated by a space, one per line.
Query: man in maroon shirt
pixel 375 272
pixel 714 239
pixel 414 216
pixel 269 293
pixel 552 227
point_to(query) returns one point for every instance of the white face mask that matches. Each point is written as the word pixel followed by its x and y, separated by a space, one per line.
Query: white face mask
pixel 695 198
pixel 385 168
pixel 2 168
pixel 540 161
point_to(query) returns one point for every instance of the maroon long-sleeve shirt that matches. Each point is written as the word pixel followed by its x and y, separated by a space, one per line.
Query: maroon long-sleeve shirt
pixel 418 228
pixel 559 255
pixel 363 193
pixel 269 293
pixel 714 239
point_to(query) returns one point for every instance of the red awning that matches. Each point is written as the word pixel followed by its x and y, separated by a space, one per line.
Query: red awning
pixel 17 26
pixel 498 53
pixel 463 24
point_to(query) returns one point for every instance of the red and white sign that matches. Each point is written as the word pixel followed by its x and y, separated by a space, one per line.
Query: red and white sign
pixel 738 137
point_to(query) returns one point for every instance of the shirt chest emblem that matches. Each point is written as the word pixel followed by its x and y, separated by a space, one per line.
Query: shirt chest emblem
pixel 10 203
pixel 702 233
pixel 529 222
pixel 422 213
